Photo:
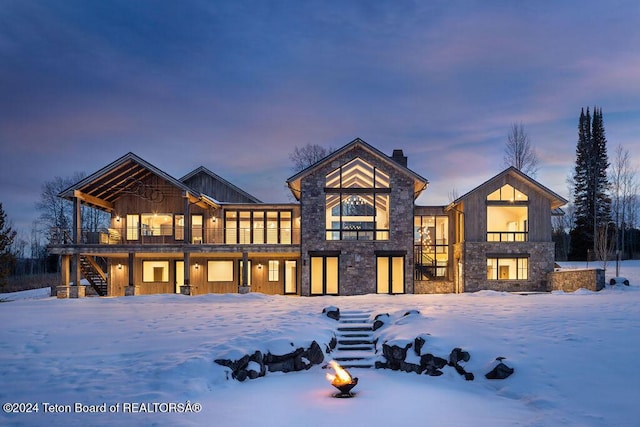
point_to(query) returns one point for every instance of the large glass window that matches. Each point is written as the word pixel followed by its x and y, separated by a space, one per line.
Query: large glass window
pixel 197 222
pixel 133 227
pixel 507 215
pixel 499 268
pixel 155 224
pixel 357 202
pixel 220 271
pixel 258 227
pixel 274 270
pixel 431 246
pixel 155 271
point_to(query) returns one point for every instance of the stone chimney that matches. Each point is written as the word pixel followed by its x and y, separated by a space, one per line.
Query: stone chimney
pixel 399 157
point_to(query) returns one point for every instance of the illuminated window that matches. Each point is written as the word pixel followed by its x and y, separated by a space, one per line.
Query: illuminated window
pixel 220 271
pixel 155 271
pixel 499 268
pixel 274 270
pixel 507 215
pixel 507 193
pixel 357 202
pixel 431 255
pixel 179 222
pixel 258 227
pixel 155 224
pixel 133 227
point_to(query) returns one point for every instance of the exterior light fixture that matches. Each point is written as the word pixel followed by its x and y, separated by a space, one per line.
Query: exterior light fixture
pixel 196 266
pixel 117 218
pixel 260 266
pixel 119 266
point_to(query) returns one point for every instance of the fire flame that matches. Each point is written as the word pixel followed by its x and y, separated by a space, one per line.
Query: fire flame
pixel 341 377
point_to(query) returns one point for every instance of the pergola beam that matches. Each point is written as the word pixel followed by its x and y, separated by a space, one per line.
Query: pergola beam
pixel 108 206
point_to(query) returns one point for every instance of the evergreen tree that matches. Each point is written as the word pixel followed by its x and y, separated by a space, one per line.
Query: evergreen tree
pixel 6 240
pixel 591 186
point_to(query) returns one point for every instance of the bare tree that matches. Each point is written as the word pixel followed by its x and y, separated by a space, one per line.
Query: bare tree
pixel 307 155
pixel 519 152
pixel 624 187
pixel 604 245
pixel 56 213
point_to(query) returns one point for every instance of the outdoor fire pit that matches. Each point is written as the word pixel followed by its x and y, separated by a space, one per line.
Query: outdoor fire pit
pixel 342 380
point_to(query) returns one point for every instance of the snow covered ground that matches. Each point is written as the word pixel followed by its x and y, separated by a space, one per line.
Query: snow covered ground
pixel 575 358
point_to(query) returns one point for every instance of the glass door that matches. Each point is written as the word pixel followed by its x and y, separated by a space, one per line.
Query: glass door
pixel 390 274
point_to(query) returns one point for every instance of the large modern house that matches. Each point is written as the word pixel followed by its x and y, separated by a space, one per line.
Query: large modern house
pixel 354 229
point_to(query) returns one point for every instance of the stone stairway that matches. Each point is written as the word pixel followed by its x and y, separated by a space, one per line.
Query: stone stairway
pixel 355 348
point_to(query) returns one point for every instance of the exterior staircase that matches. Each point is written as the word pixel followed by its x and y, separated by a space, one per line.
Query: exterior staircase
pixel 94 274
pixel 355 347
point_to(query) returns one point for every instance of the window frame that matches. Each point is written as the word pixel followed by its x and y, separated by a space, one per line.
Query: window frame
pixel 519 260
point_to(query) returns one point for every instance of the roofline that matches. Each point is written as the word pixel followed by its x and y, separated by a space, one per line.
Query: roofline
pixel 358 142
pixel 69 192
pixel 218 177
pixel 350 146
pixel 510 169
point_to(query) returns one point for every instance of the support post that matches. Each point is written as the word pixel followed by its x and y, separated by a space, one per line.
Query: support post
pixel 131 289
pixel 62 290
pixel 244 287
pixel 187 288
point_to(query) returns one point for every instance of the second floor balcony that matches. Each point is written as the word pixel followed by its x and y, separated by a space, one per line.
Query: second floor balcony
pixel 177 236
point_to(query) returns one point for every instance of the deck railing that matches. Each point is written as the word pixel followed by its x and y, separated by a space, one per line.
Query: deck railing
pixel 176 235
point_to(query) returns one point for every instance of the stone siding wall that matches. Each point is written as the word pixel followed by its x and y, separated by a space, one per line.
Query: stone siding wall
pixel 592 279
pixel 357 260
pixel 433 287
pixel 541 262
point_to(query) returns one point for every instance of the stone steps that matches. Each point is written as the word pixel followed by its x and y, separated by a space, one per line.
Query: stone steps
pixel 355 347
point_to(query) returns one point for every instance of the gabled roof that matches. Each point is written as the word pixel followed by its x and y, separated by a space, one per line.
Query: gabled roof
pixel 242 194
pixel 556 200
pixel 124 176
pixel 420 183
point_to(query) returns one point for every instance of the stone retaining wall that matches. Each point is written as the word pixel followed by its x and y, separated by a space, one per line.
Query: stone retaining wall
pixel 570 280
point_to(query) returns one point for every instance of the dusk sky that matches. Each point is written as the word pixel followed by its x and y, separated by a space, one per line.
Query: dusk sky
pixel 235 85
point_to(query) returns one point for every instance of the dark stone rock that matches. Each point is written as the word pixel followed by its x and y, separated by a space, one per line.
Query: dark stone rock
pixel 256 357
pixel 240 363
pixel 381 365
pixel 410 312
pixel 225 362
pixel 240 375
pixel 332 312
pixel 499 372
pixel 469 376
pixel 394 355
pixel 431 364
pixel 458 355
pixel 332 344
pixel 417 345
pixel 380 320
pixel 410 367
pixel 286 365
pixel 314 354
